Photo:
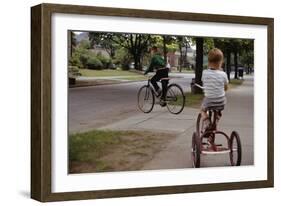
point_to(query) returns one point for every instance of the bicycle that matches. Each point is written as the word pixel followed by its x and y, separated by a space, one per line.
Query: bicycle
pixel 204 139
pixel 175 98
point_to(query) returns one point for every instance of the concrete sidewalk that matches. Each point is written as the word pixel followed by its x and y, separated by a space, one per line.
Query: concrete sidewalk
pixel 172 75
pixel 238 115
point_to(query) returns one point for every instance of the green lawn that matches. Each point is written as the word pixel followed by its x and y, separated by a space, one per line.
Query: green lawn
pixel 106 73
pixel 235 82
pixel 104 150
pixel 193 100
pixel 89 147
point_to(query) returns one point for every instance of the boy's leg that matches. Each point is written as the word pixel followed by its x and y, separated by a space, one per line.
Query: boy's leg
pixel 164 74
pixel 154 80
pixel 204 114
pixel 204 107
pixel 205 119
pixel 164 89
pixel 219 115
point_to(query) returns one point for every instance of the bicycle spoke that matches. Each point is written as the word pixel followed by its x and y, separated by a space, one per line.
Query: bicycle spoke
pixel 145 99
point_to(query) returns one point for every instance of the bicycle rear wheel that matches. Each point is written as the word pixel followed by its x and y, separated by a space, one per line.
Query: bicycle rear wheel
pixel 175 99
pixel 146 99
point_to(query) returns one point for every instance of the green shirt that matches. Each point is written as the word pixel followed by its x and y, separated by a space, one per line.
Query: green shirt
pixel 157 61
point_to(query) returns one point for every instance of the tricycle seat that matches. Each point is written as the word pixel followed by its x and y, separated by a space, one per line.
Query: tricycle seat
pixel 216 108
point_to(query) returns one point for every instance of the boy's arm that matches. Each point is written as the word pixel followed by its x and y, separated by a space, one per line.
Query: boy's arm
pixel 203 77
pixel 225 87
pixel 225 82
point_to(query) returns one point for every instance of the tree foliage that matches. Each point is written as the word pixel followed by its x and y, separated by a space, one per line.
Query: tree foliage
pixel 241 49
pixel 135 44
pixel 104 41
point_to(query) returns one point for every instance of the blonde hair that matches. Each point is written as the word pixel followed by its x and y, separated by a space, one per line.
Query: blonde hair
pixel 215 56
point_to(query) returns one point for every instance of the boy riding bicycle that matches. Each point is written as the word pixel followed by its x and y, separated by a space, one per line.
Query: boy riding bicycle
pixel 158 63
pixel 215 84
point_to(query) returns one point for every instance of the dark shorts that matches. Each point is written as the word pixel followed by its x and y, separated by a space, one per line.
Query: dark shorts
pixel 213 102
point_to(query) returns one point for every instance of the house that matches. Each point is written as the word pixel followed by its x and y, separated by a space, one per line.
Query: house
pixel 174 58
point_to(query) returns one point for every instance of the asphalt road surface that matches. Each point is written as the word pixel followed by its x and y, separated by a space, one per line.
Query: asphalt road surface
pixel 92 107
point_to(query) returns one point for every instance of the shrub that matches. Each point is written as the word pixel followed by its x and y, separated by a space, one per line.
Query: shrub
pixel 123 59
pixel 75 61
pixel 84 57
pixel 73 71
pixel 80 55
pixel 94 63
pixel 112 65
pixel 104 60
pixel 125 64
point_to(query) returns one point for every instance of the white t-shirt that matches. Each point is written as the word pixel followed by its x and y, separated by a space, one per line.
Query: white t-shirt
pixel 213 82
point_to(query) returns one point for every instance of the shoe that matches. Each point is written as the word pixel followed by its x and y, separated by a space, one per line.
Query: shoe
pixel 162 103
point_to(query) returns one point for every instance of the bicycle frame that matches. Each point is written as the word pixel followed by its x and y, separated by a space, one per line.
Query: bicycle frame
pixel 152 87
pixel 214 121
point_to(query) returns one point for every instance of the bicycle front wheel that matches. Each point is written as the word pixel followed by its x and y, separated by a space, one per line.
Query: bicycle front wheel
pixel 145 99
pixel 175 99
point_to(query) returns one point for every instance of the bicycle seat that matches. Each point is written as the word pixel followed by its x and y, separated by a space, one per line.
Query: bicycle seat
pixel 216 108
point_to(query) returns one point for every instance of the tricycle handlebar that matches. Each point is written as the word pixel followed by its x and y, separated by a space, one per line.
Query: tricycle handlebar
pixel 198 85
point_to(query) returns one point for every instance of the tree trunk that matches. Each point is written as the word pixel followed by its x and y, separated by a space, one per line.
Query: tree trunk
pixel 236 64
pixel 181 54
pixel 199 64
pixel 137 61
pixel 247 69
pixel 112 52
pixel 165 48
pixel 70 44
pixel 228 63
pixel 185 55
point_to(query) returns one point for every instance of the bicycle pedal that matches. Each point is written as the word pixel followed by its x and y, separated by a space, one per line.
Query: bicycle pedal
pixel 163 104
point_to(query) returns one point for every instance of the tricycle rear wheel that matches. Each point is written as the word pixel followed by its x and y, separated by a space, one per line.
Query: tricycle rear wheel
pixel 196 150
pixel 235 149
